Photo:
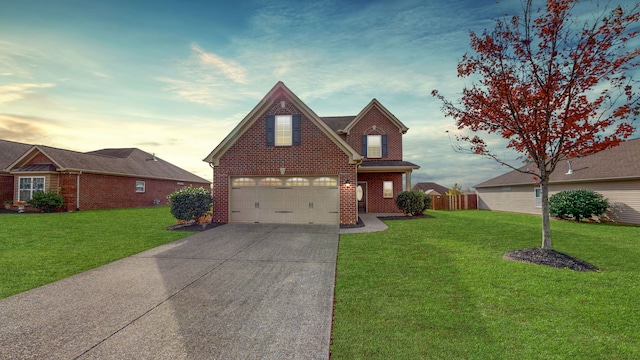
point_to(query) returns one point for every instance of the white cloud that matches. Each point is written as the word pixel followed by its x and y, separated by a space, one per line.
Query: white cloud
pixel 15 92
pixel 229 68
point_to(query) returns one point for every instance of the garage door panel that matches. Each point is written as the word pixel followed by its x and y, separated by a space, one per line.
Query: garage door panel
pixel 301 203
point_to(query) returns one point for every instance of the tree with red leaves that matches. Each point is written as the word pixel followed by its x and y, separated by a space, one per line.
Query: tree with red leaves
pixel 555 87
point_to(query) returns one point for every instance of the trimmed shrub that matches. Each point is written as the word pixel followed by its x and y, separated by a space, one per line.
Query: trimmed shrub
pixel 413 202
pixel 46 201
pixel 189 203
pixel 577 204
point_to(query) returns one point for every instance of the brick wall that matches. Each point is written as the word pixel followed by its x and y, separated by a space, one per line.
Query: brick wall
pixel 376 202
pixel 383 126
pixel 6 188
pixel 99 191
pixel 317 155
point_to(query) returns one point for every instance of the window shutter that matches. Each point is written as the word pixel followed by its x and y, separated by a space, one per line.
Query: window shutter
pixel 364 146
pixel 271 130
pixel 296 126
pixel 384 146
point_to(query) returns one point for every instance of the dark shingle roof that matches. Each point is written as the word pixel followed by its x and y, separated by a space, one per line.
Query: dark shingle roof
pixel 125 161
pixel 10 151
pixel 337 123
pixel 37 167
pixel 129 161
pixel 426 186
pixel 387 163
pixel 621 162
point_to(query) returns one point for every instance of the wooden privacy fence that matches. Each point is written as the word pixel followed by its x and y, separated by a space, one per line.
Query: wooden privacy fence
pixel 454 202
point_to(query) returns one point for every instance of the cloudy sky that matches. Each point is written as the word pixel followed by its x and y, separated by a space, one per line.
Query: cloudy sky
pixel 173 77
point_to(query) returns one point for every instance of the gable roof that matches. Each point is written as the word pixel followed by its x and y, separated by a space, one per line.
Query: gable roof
pixel 375 104
pixel 618 163
pixel 426 186
pixel 123 162
pixel 10 151
pixel 261 107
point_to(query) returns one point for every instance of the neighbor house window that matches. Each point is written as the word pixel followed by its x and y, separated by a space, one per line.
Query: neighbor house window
pixel 140 186
pixel 374 146
pixel 538 197
pixel 387 189
pixel 30 185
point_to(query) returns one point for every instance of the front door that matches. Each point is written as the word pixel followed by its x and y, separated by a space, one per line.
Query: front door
pixel 361 195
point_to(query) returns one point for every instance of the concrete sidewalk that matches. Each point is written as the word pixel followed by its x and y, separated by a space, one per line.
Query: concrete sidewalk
pixel 233 292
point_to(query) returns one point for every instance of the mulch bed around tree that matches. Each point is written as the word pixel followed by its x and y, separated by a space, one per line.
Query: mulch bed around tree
pixel 551 258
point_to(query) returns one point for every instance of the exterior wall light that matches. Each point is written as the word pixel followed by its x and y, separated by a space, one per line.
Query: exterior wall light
pixel 347 183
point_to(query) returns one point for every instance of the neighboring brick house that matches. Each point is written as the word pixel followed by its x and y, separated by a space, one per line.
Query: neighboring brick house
pixel 102 179
pixel 9 152
pixel 284 164
pixel 614 173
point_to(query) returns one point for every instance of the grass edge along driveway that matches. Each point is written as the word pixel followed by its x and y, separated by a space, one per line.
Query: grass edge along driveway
pixel 439 289
pixel 37 249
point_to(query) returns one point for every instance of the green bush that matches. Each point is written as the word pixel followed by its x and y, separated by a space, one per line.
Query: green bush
pixel 190 203
pixel 46 201
pixel 413 202
pixel 577 204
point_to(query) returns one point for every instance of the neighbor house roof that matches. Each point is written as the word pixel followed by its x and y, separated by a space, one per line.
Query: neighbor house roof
pixel 618 163
pixel 426 186
pixel 123 162
pixel 10 151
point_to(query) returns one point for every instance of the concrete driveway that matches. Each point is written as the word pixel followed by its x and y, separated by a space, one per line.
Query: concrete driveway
pixel 237 291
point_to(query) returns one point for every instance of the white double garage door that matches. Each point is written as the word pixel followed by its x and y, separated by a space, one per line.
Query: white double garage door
pixel 285 199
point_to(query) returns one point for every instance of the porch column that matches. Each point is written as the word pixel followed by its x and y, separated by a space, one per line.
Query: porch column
pixel 408 181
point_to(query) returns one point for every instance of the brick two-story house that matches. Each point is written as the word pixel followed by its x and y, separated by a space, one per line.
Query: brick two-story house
pixel 284 164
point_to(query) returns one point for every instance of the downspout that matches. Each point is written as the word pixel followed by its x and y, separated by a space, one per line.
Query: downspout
pixel 78 191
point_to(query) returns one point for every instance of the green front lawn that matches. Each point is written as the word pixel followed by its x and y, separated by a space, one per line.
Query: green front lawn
pixel 439 289
pixel 36 249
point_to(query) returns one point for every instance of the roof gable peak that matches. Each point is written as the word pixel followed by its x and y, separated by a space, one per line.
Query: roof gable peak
pixel 374 103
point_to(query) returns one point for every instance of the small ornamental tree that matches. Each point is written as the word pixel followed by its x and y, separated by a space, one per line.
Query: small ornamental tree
pixel 46 201
pixel 578 204
pixel 413 202
pixel 553 84
pixel 190 203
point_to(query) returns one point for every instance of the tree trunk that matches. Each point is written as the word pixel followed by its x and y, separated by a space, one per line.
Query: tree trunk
pixel 546 227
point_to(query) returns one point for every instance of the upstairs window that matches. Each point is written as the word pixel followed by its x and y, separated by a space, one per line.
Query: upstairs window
pixel 283 130
pixel 374 146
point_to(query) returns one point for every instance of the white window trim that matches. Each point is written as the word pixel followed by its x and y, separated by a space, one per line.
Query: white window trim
pixel 31 190
pixel 384 185
pixel 283 134
pixel 377 148
pixel 144 186
pixel 537 195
